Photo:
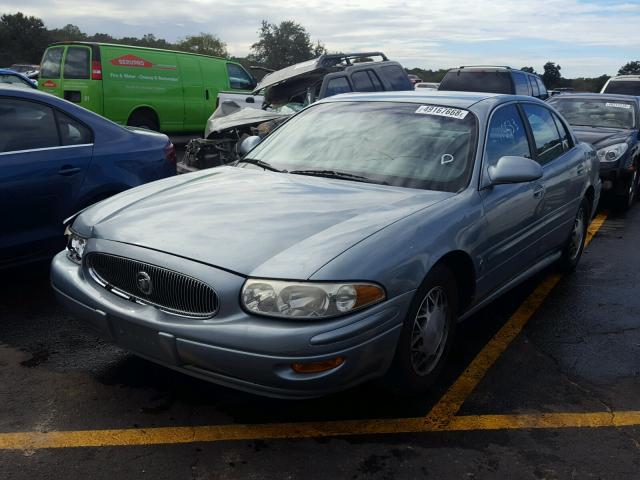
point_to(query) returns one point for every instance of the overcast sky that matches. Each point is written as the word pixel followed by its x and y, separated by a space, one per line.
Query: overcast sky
pixel 587 38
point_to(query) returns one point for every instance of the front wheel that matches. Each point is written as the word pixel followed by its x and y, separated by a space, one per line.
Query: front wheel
pixel 625 200
pixel 575 244
pixel 427 334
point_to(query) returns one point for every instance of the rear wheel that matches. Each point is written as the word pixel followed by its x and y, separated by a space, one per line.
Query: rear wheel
pixel 575 244
pixel 144 119
pixel 426 335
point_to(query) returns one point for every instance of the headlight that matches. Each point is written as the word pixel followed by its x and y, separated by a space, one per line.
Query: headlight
pixel 612 152
pixel 277 298
pixel 75 245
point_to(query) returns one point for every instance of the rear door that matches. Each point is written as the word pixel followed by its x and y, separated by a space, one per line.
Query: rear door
pixel 44 155
pixel 564 174
pixel 51 71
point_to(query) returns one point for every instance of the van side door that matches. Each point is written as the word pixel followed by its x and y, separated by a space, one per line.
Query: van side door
pixel 76 83
pixel 192 92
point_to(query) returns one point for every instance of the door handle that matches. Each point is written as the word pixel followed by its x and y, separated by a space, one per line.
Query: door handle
pixel 538 191
pixel 69 170
pixel 206 94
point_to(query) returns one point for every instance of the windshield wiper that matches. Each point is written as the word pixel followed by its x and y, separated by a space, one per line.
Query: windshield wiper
pixel 333 174
pixel 260 163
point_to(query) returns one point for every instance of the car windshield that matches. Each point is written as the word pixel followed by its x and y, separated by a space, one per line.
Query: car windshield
pixel 8 78
pixel 407 145
pixel 598 112
pixel 623 87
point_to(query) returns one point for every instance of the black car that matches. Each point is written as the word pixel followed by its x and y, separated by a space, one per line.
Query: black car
pixel 611 124
pixel 494 80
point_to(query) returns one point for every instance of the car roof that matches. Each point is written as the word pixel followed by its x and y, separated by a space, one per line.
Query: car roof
pixel 611 96
pixel 8 71
pixel 433 97
pixel 488 68
pixel 625 77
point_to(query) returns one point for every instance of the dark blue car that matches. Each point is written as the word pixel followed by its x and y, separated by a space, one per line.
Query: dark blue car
pixel 16 78
pixel 57 158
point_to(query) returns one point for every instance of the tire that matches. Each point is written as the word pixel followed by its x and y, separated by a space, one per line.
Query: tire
pixel 413 371
pixel 625 201
pixel 143 119
pixel 572 251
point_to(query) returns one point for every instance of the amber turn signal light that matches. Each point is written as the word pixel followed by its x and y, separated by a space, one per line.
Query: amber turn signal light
pixel 317 367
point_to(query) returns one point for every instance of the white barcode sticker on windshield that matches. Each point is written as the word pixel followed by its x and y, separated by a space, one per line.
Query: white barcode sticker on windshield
pixel 442 111
pixel 618 105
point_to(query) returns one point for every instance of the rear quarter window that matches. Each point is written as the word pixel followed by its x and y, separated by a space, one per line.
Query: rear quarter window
pixel 396 77
pixel 477 81
pixel 521 82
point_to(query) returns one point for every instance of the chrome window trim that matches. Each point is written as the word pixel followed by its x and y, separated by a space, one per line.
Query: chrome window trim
pixel 58 147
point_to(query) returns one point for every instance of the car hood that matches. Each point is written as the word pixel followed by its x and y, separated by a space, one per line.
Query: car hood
pixel 250 221
pixel 230 115
pixel 601 137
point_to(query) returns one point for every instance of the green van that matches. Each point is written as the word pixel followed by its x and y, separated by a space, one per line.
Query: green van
pixel 162 90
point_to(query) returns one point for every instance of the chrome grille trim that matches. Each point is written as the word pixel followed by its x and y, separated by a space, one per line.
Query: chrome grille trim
pixel 172 292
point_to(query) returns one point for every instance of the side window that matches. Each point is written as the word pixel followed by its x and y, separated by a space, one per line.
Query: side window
pixel 77 63
pixel 535 91
pixel 522 85
pixel 26 125
pixel 51 63
pixel 545 133
pixel 564 133
pixel 71 131
pixel 396 77
pixel 337 85
pixel 362 82
pixel 507 136
pixel 239 78
pixel 542 88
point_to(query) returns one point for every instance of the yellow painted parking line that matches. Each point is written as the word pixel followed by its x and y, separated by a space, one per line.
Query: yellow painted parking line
pixel 234 432
pixel 441 418
pixel 452 400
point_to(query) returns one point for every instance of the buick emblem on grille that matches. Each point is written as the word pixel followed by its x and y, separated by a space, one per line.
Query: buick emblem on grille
pixel 145 285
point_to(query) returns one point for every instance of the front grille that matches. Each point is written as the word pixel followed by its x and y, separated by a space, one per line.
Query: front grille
pixel 170 291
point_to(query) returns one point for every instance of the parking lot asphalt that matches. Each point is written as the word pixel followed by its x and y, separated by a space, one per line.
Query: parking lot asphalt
pixel 543 384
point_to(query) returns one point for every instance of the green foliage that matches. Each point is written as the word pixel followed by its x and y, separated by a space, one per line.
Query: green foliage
pixel 22 39
pixel 551 75
pixel 282 45
pixel 631 68
pixel 529 70
pixel 205 43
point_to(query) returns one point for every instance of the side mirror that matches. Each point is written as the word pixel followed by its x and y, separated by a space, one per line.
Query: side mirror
pixel 247 145
pixel 514 170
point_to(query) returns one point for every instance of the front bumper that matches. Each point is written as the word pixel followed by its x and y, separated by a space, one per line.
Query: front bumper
pixel 615 178
pixel 234 348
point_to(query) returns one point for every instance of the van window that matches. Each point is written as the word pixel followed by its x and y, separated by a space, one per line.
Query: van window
pixel 477 81
pixel 51 63
pixel 26 125
pixel 77 63
pixel 362 82
pixel 623 87
pixel 545 133
pixel 522 84
pixel 337 85
pixel 507 136
pixel 396 77
pixel 239 78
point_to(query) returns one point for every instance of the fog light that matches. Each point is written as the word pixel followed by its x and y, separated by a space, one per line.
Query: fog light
pixel 317 367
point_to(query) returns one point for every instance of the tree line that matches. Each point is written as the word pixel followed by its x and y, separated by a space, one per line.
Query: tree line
pixel 23 39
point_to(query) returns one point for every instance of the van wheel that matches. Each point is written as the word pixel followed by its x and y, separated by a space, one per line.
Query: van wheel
pixel 144 119
pixel 575 244
pixel 427 334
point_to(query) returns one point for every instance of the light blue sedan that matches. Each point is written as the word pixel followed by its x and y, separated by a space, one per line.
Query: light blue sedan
pixel 345 246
